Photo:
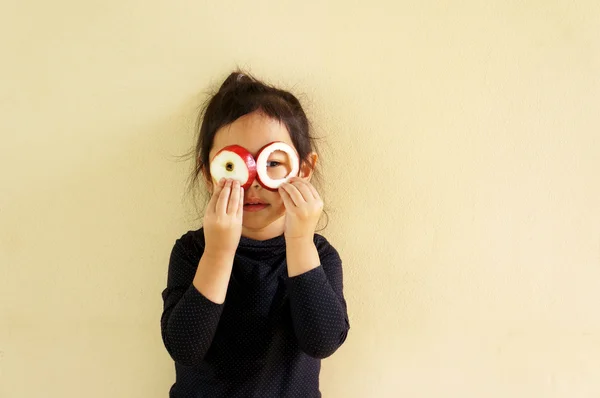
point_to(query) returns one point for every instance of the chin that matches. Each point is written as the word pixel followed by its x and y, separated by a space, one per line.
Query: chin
pixel 255 221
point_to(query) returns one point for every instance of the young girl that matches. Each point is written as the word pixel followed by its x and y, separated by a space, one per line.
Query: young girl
pixel 254 299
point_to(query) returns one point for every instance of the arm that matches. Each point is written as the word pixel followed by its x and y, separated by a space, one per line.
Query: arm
pixel 197 284
pixel 193 302
pixel 318 307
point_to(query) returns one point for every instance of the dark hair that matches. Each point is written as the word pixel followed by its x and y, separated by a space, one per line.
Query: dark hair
pixel 239 95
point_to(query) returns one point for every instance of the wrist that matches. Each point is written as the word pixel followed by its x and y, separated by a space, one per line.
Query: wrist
pixel 302 255
pixel 218 253
pixel 298 246
pixel 299 240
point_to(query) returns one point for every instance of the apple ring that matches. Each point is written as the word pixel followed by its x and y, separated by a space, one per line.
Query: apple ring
pixel 261 164
pixel 234 162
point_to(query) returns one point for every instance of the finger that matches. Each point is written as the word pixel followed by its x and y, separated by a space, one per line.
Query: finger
pixel 234 198
pixel 304 189
pixel 215 196
pixel 221 206
pixel 287 201
pixel 240 209
pixel 294 194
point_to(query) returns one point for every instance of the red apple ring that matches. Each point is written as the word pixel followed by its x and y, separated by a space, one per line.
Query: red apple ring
pixel 234 162
pixel 261 164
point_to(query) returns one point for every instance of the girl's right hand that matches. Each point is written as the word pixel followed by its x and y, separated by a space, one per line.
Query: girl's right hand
pixel 223 218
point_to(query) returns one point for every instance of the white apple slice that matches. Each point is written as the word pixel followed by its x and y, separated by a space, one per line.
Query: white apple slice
pixel 234 162
pixel 261 164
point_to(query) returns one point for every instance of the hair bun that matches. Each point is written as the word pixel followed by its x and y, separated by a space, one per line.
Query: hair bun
pixel 234 79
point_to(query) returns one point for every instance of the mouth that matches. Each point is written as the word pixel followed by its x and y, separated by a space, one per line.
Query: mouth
pixel 254 205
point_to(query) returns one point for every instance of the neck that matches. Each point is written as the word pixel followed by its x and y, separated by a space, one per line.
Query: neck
pixel 270 231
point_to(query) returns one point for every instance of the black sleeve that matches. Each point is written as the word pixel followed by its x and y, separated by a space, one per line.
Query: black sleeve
pixel 319 312
pixel 189 320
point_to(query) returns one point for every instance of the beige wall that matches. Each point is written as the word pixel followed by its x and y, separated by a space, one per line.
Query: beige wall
pixel 463 179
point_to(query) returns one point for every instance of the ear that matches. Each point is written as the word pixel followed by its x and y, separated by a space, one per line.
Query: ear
pixel 308 166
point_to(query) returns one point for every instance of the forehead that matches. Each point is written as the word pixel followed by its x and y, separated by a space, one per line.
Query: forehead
pixel 252 131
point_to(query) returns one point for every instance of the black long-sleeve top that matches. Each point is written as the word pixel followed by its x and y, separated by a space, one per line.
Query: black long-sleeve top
pixel 268 337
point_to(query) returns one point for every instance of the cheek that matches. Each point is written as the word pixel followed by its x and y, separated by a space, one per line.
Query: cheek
pixel 274 199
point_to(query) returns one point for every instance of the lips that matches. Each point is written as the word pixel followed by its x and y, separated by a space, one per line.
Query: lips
pixel 253 204
pixel 254 201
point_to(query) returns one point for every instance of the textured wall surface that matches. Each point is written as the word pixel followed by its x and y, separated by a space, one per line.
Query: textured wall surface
pixel 461 164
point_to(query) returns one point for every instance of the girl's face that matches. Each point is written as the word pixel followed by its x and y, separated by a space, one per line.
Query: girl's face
pixel 253 131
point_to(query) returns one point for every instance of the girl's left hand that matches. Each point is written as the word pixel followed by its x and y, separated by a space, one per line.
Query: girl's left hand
pixel 303 208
